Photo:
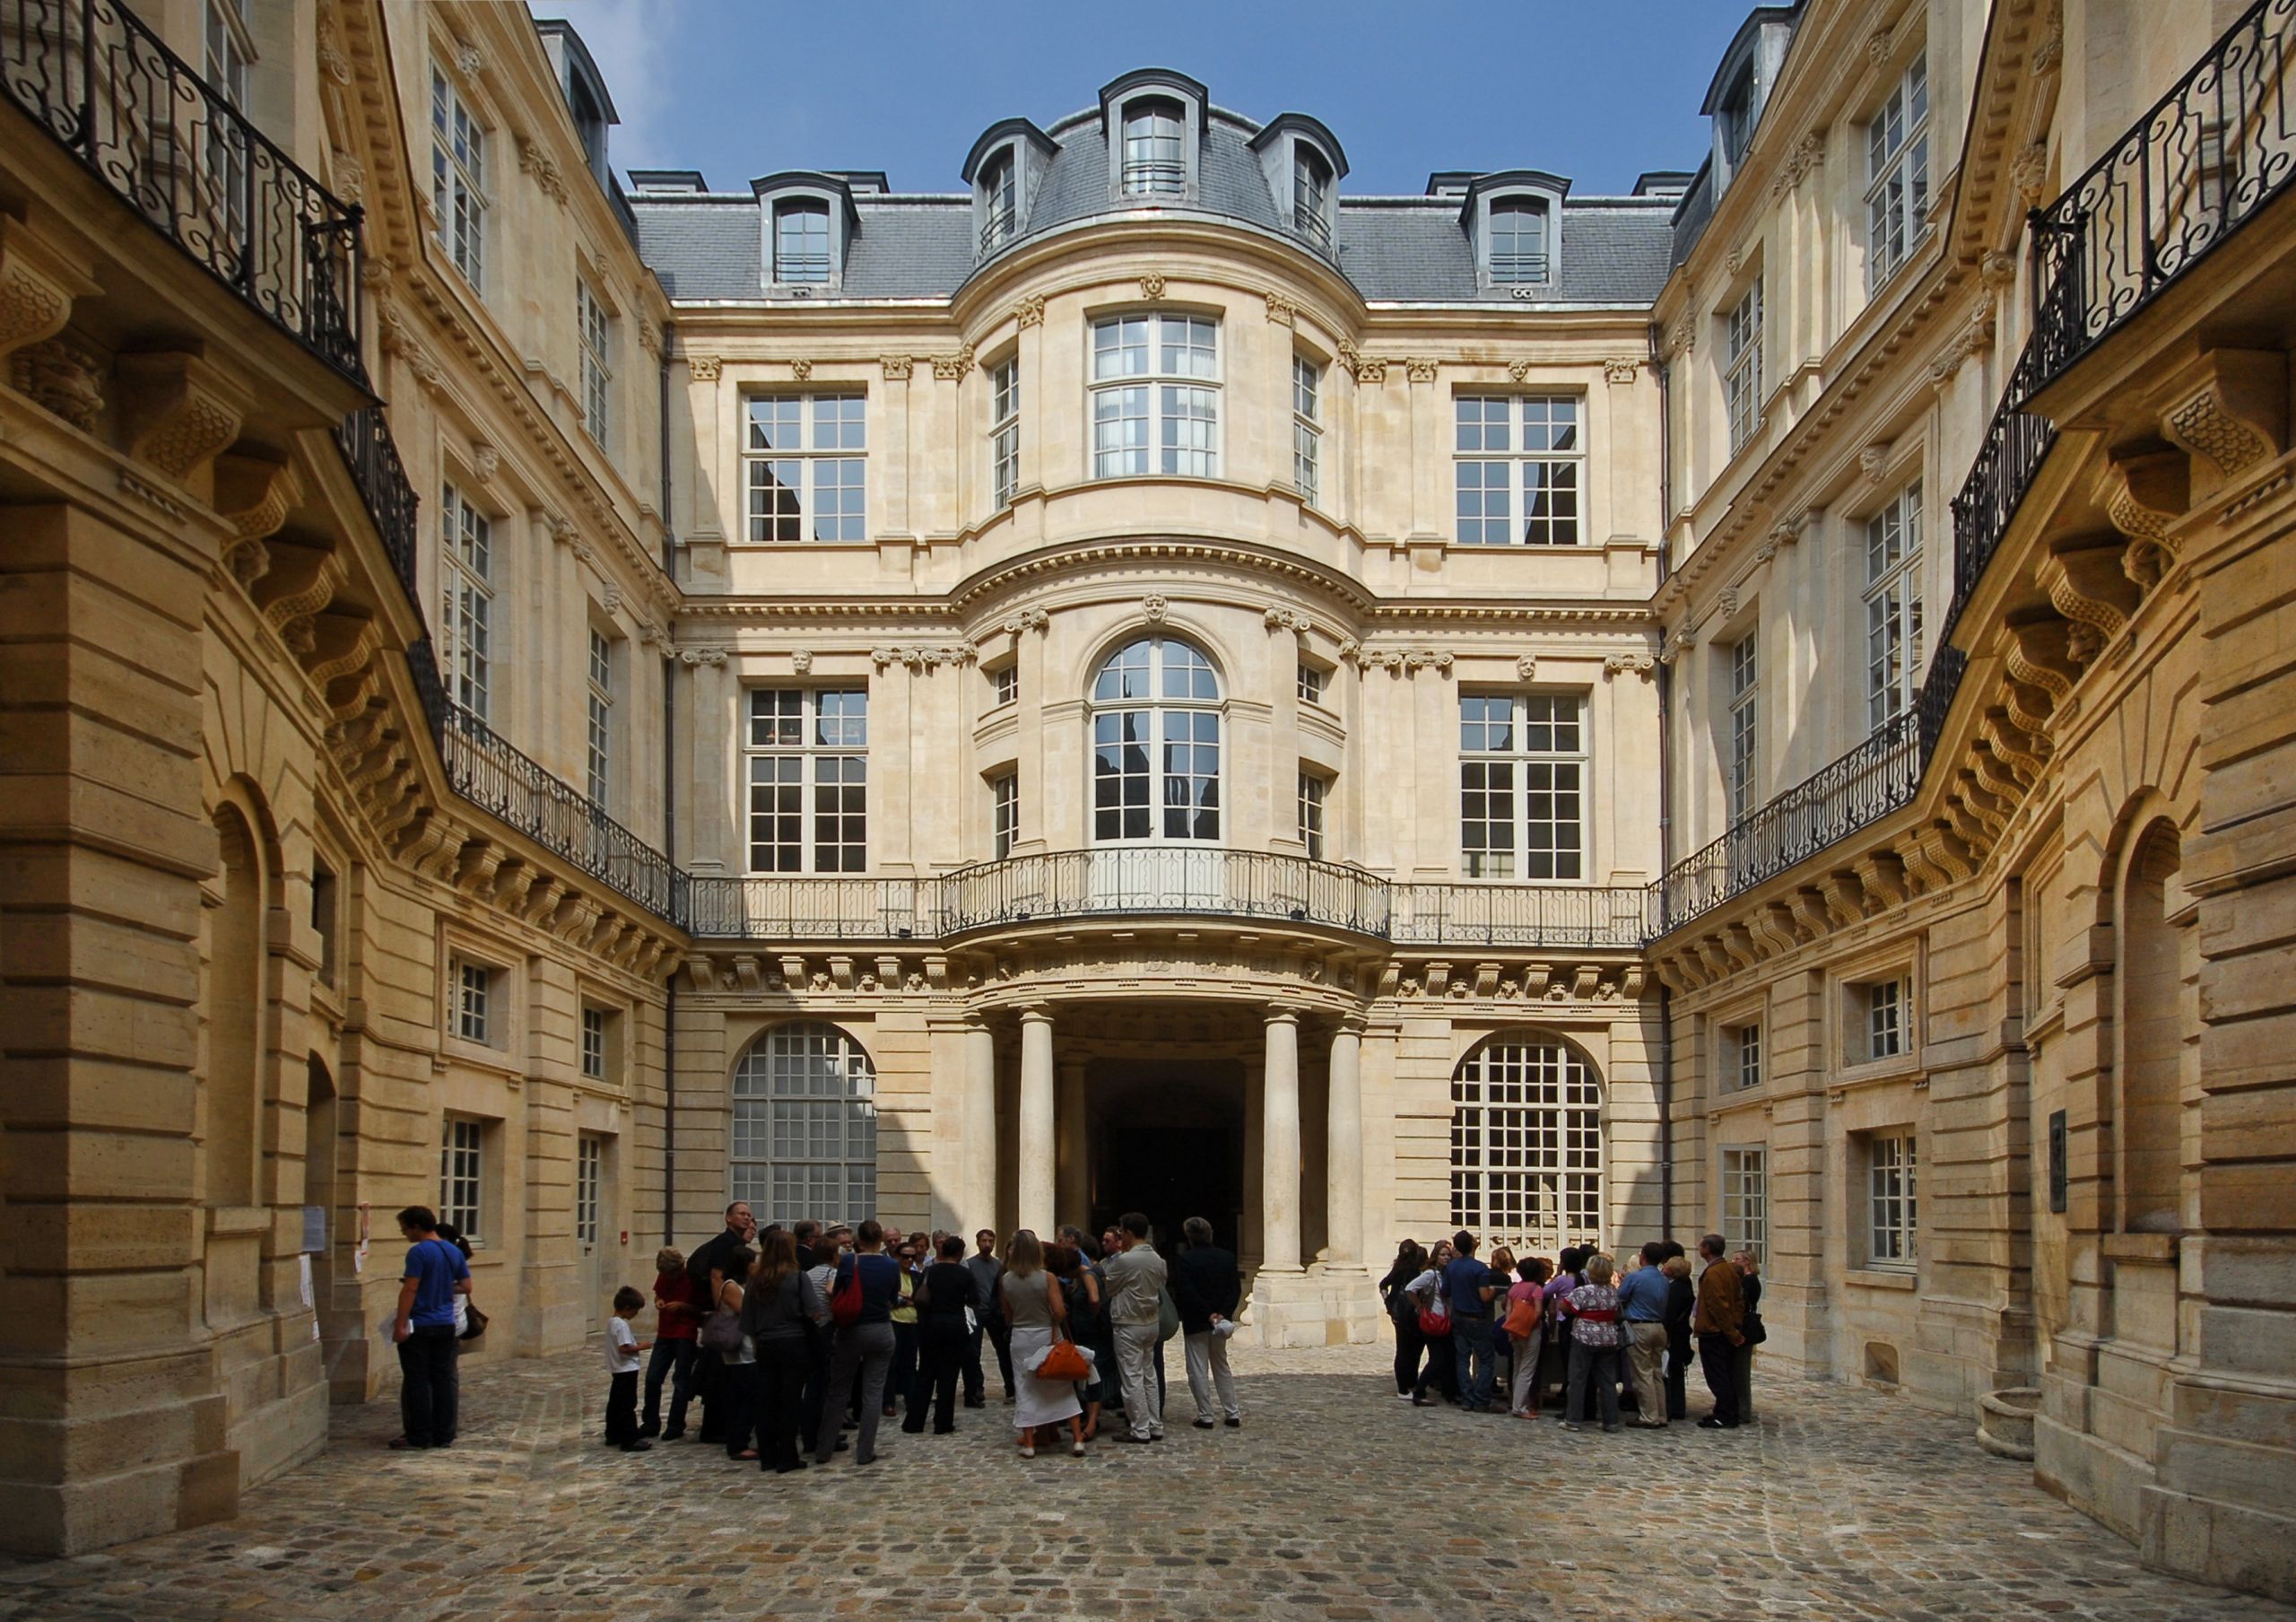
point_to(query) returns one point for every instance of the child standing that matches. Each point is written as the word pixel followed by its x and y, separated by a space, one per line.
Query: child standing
pixel 623 1346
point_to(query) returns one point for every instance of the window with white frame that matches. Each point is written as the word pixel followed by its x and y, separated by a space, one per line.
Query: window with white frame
pixel 597 359
pixel 1512 448
pixel 1526 1147
pixel 1522 785
pixel 1745 1199
pixel 1881 1012
pixel 1897 169
pixel 1306 428
pixel 1892 607
pixel 1311 194
pixel 459 178
pixel 1311 683
pixel 1155 156
pixel 801 249
pixel 467 559
pixel 999 211
pixel 1892 1220
pixel 1742 1054
pixel 1518 251
pixel 1313 787
pixel 590 1167
pixel 1004 429
pixel 808 778
pixel 804 1127
pixel 474 994
pixel 229 54
pixel 594 1044
pixel 462 1176
pixel 1003 814
pixel 808 467
pixel 1004 685
pixel 1741 366
pixel 599 764
pixel 1155 723
pixel 1745 723
pixel 1156 395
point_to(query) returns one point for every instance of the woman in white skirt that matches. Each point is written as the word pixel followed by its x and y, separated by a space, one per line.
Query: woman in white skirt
pixel 1034 1308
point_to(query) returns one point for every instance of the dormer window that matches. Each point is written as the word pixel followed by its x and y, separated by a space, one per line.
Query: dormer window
pixel 1303 165
pixel 999 209
pixel 1311 194
pixel 1155 150
pixel 1736 120
pixel 1519 240
pixel 801 240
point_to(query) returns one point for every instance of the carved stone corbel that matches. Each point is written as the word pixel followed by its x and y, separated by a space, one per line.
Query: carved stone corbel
pixel 2013 749
pixel 253 495
pixel 1812 917
pixel 2040 656
pixel 1774 930
pixel 176 411
pixel 2085 583
pixel 474 874
pixel 38 286
pixel 1882 878
pixel 2144 494
pixel 2231 410
pixel 1845 898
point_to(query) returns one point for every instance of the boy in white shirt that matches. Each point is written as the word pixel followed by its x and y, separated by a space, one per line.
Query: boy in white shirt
pixel 623 1346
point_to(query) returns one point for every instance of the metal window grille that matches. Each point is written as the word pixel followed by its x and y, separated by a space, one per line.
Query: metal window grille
pixel 1519 240
pixel 1527 1149
pixel 1155 158
pixel 1310 195
pixel 804 1127
pixel 801 250
pixel 999 215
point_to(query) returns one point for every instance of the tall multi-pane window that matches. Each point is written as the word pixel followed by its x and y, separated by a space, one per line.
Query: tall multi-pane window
pixel 999 214
pixel 1892 1225
pixel 1313 785
pixel 1526 1147
pixel 1742 1052
pixel 1155 160
pixel 1745 1199
pixel 230 53
pixel 462 1176
pixel 459 178
pixel 806 457
pixel 1004 429
pixel 1311 194
pixel 1897 169
pixel 1522 785
pixel 467 559
pixel 1892 607
pixel 1519 240
pixel 597 359
pixel 804 1127
pixel 594 1044
pixel 1884 1012
pixel 600 774
pixel 808 778
pixel 1306 428
pixel 1745 722
pixel 1519 447
pixel 1741 366
pixel 474 1001
pixel 590 1167
pixel 1156 395
pixel 1155 724
pixel 801 240
pixel 1004 814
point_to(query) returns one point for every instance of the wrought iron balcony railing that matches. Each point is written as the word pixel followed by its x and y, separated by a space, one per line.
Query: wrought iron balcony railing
pixel 1607 918
pixel 1163 880
pixel 174 149
pixel 364 438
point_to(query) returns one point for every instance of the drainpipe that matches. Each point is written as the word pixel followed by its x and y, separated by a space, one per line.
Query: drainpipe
pixel 669 833
pixel 1663 1066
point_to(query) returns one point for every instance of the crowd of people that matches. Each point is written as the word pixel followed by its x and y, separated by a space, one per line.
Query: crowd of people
pixel 796 1341
pixel 1578 1329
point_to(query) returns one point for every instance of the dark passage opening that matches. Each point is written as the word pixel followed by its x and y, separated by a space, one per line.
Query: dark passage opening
pixel 1170 1146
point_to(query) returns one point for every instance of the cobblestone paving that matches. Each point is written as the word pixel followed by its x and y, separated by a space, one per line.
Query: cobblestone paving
pixel 1335 1501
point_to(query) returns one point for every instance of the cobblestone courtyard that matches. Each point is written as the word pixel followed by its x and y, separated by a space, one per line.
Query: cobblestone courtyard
pixel 1334 1501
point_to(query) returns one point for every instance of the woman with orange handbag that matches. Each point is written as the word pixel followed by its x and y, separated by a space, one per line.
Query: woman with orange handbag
pixel 1046 1362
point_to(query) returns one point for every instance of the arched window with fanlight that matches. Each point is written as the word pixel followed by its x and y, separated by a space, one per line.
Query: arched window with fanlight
pixel 1527 1145
pixel 805 1129
pixel 1155 720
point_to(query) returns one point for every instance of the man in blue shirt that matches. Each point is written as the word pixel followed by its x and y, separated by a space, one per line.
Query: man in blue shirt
pixel 1642 1303
pixel 429 1392
pixel 1468 1287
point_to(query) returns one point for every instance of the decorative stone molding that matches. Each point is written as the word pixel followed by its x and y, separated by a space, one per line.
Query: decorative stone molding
pixel 1420 368
pixel 332 62
pixel 1428 658
pixel 952 368
pixel 2028 171
pixel 1877 47
pixel 1681 337
pixel 650 339
pixel 1997 270
pixel 1027 619
pixel 2232 410
pixel 1677 643
pixel 1281 310
pixel 1970 340
pixel 36 289
pixel 254 495
pixel 2049 56
pixel 1517 371
pixel 485 461
pixel 60 377
pixel 1154 608
pixel 1729 603
pixel 896 368
pixel 1287 619
pixel 1874 461
pixel 1030 311
pixel 1804 158
pixel 701 656
pixel 1151 287
pixel 1368 370
pixel 2039 656
pixel 920 658
pixel 2085 585
pixel 1622 664
pixel 1526 666
pixel 542 169
pixel 801 660
pixel 1621 370
pixel 2144 494
pixel 132 483
pixel 803 370
pixel 176 411
pixel 703 368
pixel 467 60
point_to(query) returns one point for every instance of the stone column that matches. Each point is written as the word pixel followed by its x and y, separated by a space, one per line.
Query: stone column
pixel 977 1187
pixel 1280 1145
pixel 1074 1183
pixel 1038 1147
pixel 1343 1147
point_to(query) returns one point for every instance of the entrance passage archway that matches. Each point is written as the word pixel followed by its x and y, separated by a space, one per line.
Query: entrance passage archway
pixel 1166 1141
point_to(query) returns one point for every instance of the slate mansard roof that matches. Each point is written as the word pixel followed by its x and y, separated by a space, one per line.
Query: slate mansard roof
pixel 706 246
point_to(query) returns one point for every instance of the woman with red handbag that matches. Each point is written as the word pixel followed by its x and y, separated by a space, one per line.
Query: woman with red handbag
pixel 1426 1294
pixel 1046 1363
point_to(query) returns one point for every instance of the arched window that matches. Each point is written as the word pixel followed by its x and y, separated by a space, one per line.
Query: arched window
pixel 2159 971
pixel 1154 156
pixel 1526 1147
pixel 1519 240
pixel 1156 745
pixel 805 1126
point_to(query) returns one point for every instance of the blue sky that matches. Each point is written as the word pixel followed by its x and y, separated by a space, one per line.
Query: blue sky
pixel 1596 90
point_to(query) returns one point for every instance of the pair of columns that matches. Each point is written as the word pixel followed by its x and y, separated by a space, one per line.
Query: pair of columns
pixel 1280 1154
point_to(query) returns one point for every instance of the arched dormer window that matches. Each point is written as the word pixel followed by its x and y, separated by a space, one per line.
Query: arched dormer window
pixel 1519 236
pixel 1155 163
pixel 807 222
pixel 1311 194
pixel 999 214
pixel 1155 710
pixel 1514 222
pixel 1303 165
pixel 1003 168
pixel 801 252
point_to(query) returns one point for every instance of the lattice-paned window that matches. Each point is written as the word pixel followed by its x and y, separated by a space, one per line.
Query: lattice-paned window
pixel 1155 157
pixel 1745 723
pixel 1881 1009
pixel 1742 1054
pixel 597 359
pixel 466 560
pixel 1307 428
pixel 1155 721
pixel 590 1167
pixel 1892 1222
pixel 1003 814
pixel 1311 683
pixel 1004 685
pixel 1522 785
pixel 1311 194
pixel 1004 429
pixel 806 462
pixel 1313 787
pixel 1897 167
pixel 999 209
pixel 1741 366
pixel 229 54
pixel 801 250
pixel 804 1127
pixel 1156 396
pixel 1518 251
pixel 1519 468
pixel 1745 1199
pixel 473 991
pixel 459 178
pixel 1892 599
pixel 462 1176
pixel 1527 1147
pixel 598 766
pixel 808 778
pixel 594 1044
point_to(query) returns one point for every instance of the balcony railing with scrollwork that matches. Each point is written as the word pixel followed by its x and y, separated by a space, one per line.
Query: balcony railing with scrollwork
pixel 172 146
pixel 1598 917
pixel 364 438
